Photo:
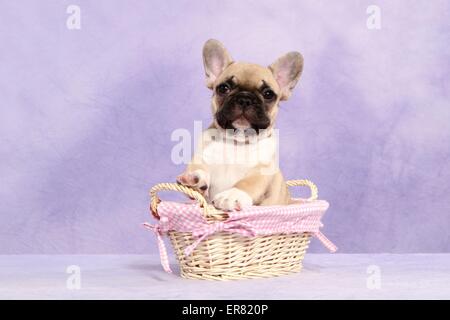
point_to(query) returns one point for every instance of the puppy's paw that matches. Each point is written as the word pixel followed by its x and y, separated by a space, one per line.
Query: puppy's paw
pixel 197 180
pixel 232 199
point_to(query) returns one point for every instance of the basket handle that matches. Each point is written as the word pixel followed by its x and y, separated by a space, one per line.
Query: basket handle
pixel 305 182
pixel 208 210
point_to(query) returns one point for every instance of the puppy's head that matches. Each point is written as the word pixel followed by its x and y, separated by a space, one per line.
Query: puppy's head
pixel 245 95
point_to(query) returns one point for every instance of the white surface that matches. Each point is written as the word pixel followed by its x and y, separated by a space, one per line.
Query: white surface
pixel 324 276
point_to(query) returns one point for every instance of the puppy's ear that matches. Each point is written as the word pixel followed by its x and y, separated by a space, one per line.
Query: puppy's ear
pixel 287 70
pixel 215 60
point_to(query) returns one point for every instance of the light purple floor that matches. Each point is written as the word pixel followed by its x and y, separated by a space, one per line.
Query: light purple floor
pixel 325 276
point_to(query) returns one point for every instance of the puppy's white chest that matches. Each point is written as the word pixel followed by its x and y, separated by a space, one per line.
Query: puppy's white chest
pixel 261 152
pixel 228 162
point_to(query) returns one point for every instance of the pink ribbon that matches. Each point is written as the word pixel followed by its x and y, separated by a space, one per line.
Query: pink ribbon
pixel 162 248
pixel 326 242
pixel 242 228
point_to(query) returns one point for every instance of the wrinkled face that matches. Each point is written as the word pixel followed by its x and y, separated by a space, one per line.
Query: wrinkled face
pixel 245 96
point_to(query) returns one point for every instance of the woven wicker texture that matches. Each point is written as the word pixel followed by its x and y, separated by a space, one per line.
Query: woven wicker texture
pixel 229 256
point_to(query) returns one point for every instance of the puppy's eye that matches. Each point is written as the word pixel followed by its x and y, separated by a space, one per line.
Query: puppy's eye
pixel 268 94
pixel 223 88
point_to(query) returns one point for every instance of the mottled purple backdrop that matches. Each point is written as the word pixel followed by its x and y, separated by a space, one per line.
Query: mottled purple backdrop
pixel 87 115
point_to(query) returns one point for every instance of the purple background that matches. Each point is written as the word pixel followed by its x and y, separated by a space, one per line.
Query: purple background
pixel 86 115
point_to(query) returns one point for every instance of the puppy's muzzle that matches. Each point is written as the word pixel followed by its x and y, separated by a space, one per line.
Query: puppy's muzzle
pixel 246 99
pixel 243 104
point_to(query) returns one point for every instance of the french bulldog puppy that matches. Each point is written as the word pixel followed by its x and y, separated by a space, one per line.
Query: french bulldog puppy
pixel 235 164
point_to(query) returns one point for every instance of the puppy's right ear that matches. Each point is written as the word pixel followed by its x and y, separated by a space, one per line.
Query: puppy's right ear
pixel 215 59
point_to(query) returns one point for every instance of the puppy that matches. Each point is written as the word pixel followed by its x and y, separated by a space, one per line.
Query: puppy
pixel 235 164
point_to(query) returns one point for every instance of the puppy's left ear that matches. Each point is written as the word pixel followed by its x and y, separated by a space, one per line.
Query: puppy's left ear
pixel 287 71
pixel 215 59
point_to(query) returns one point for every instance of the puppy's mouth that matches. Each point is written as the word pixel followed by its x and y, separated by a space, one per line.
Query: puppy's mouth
pixel 242 112
pixel 241 123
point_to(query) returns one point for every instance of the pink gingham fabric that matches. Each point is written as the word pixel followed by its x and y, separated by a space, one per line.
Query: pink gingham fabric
pixel 250 222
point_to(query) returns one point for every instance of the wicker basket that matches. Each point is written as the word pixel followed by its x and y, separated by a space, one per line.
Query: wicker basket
pixel 226 256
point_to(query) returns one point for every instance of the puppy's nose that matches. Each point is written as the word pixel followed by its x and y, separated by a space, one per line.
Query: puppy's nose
pixel 245 100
